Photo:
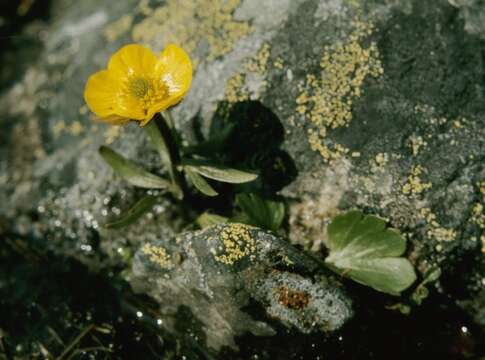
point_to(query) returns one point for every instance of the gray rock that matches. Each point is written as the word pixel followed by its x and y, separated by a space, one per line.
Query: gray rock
pixel 215 273
pixel 391 90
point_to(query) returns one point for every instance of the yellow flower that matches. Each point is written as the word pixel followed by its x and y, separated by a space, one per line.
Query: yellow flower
pixel 137 84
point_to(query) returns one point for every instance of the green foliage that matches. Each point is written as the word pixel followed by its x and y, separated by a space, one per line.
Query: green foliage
pixel 207 219
pixel 219 172
pixel 362 248
pixel 200 183
pixel 421 292
pixel 166 140
pixel 266 214
pixel 134 213
pixel 131 172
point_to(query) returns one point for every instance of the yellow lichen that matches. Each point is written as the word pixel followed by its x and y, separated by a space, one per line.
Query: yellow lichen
pixel 436 231
pixel 117 28
pixel 58 128
pixel 381 159
pixel 112 133
pixel 278 63
pixel 237 243
pixel 158 255
pixel 259 62
pixel 83 110
pixel 76 128
pixel 416 143
pixel 236 89
pixel 327 101
pixel 190 23
pixel 478 210
pixel 414 184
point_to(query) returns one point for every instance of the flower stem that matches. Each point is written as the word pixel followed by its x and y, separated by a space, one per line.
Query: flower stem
pixel 167 115
pixel 169 119
pixel 161 141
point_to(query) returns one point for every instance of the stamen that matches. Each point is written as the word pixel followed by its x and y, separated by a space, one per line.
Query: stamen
pixel 139 87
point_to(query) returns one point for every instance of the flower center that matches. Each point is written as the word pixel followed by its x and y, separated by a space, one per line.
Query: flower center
pixel 139 87
pixel 146 90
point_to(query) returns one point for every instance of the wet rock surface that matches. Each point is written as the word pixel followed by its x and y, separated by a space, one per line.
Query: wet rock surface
pixel 377 105
pixel 216 272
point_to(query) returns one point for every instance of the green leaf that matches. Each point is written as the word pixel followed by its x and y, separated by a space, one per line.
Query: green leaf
pixel 219 172
pixel 200 183
pixel 207 219
pixel 134 213
pixel 267 214
pixel 421 292
pixel 131 172
pixel 362 248
pixel 431 275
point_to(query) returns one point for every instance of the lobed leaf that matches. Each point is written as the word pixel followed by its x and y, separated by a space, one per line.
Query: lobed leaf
pixel 362 248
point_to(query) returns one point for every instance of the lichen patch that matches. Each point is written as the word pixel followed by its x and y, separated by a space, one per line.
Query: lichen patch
pixel 293 299
pixel 236 244
pixel 326 101
pixel 436 231
pixel 414 184
pixel 237 88
pixel 158 255
pixel 192 23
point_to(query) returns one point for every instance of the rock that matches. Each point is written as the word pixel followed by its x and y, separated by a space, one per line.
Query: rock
pixel 215 274
pixel 380 105
pixel 473 12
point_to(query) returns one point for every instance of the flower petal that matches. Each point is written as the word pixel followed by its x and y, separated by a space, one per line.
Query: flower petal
pixel 114 120
pixel 175 70
pixel 129 107
pixel 161 106
pixel 100 93
pixel 132 59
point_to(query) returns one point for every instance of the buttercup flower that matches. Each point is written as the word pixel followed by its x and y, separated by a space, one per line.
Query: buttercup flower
pixel 136 85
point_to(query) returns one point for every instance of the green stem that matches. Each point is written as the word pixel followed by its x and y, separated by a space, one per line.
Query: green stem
pixel 161 142
pixel 169 119
pixel 167 115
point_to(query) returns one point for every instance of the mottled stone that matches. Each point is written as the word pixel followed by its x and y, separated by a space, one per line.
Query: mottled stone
pixel 188 271
pixel 401 84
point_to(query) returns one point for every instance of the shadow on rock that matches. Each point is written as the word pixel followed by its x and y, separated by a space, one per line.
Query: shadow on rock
pixel 249 135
